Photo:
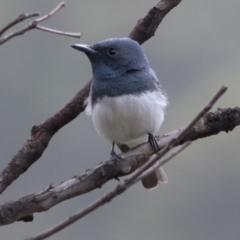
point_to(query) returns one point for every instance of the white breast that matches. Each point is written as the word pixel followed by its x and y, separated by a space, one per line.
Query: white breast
pixel 128 118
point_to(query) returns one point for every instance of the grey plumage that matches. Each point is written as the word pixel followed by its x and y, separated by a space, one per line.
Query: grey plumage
pixel 126 100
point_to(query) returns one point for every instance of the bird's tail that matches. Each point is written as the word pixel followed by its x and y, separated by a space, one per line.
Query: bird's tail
pixel 151 180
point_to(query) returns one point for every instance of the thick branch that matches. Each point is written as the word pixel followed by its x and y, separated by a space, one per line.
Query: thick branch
pixel 146 27
pixel 212 123
pixel 41 135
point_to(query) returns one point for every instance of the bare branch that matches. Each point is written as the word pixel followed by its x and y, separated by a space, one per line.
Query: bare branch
pixel 41 135
pixel 212 123
pixel 19 19
pixel 101 201
pixel 54 11
pixel 34 25
pixel 70 34
pixel 146 27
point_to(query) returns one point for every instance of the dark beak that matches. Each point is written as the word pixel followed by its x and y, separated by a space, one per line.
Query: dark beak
pixel 84 48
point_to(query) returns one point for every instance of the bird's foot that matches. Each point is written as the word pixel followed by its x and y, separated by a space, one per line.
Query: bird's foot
pixel 153 142
pixel 115 157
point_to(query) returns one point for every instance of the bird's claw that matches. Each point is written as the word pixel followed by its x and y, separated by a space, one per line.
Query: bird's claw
pixel 153 142
pixel 115 157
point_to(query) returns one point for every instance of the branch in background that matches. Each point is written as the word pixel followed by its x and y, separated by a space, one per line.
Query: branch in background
pixel 41 135
pixel 34 25
pixel 122 187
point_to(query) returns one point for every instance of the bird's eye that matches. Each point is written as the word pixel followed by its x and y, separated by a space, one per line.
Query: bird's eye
pixel 112 51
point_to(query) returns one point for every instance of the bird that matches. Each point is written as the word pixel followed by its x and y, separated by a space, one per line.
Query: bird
pixel 126 100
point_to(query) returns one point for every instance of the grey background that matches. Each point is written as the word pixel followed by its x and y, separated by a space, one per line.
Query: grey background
pixel 195 51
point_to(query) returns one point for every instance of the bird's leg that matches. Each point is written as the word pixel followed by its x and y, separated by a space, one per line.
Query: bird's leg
pixel 153 142
pixel 113 155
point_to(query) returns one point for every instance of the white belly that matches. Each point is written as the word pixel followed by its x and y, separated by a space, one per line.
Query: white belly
pixel 127 119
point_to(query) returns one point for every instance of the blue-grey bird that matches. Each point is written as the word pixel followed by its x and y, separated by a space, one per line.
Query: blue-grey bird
pixel 126 100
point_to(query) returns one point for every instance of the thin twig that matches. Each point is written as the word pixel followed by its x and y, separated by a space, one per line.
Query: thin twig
pixel 70 34
pixel 19 19
pixel 221 91
pixel 54 11
pixel 122 187
pixel 34 25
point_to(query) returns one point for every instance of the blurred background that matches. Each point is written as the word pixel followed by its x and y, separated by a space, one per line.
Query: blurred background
pixel 194 52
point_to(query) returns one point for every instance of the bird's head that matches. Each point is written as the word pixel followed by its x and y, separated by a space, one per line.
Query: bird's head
pixel 114 56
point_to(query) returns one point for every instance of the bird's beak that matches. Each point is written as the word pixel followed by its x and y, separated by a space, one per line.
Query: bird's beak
pixel 84 48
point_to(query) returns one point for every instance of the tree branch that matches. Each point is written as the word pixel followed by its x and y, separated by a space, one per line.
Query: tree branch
pixel 146 27
pixel 34 25
pixel 211 124
pixel 19 19
pixel 41 135
pixel 99 202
